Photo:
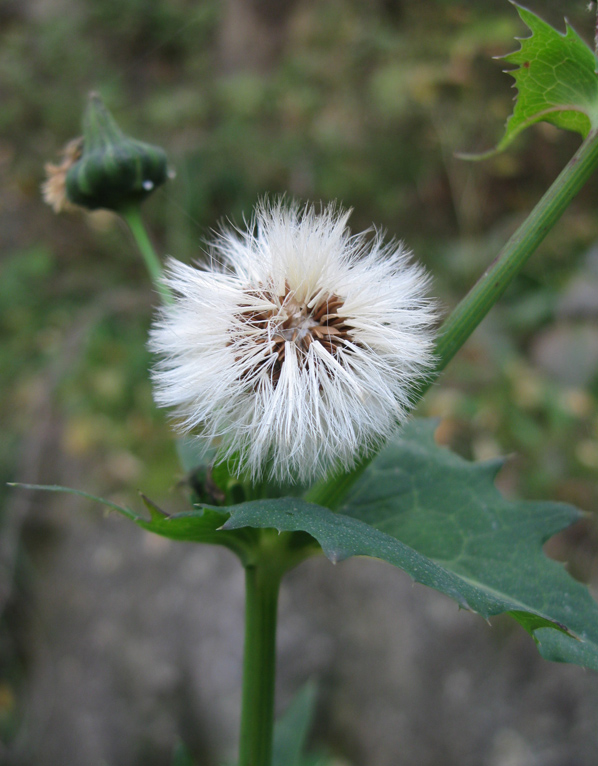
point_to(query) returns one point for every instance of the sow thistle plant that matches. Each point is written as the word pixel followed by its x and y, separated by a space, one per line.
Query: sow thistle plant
pixel 295 357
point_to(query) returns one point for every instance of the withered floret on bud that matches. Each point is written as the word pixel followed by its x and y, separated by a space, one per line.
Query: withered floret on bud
pixel 54 187
pixel 114 170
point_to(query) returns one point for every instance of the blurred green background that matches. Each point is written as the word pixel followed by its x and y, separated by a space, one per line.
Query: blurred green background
pixel 350 100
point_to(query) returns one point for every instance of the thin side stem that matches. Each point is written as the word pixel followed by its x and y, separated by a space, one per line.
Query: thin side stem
pixel 133 218
pixel 514 255
pixel 486 292
pixel 262 584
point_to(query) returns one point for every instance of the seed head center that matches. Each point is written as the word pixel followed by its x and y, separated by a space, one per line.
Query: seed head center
pixel 301 322
pixel 297 323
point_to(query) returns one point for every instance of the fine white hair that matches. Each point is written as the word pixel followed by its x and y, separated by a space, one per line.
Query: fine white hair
pixel 251 360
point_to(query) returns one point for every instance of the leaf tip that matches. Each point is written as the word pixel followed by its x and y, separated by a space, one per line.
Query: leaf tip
pixel 336 555
pixel 156 513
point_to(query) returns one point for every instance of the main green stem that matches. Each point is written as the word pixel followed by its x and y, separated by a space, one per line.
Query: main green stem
pixel 262 583
pixel 486 292
pixel 133 218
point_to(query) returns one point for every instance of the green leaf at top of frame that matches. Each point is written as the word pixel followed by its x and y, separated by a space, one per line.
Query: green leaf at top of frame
pixel 556 80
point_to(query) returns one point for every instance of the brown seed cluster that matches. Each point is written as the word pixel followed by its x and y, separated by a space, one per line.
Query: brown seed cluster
pixel 296 322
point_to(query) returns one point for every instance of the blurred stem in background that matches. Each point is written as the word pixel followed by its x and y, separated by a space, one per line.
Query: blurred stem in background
pixel 498 276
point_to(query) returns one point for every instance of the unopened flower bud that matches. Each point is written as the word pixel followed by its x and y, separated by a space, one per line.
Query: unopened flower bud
pixel 114 171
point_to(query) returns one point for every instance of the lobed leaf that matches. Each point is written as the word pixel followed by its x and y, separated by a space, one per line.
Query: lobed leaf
pixel 441 519
pixel 438 517
pixel 449 509
pixel 556 80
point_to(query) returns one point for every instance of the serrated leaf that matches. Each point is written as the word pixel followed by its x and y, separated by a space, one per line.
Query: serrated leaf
pixel 556 80
pixel 69 491
pixel 450 510
pixel 198 526
pixel 201 525
pixel 441 519
pixel 342 536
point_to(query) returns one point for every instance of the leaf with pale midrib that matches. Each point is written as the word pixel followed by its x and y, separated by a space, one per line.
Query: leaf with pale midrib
pixel 449 509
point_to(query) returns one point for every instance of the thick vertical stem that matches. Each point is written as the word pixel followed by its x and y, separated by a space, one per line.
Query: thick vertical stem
pixel 262 584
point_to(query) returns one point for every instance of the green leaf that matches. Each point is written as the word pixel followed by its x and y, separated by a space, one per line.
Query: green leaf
pixel 556 80
pixel 436 516
pixel 342 536
pixel 441 519
pixel 291 731
pixel 201 525
pixel 450 510
pixel 69 491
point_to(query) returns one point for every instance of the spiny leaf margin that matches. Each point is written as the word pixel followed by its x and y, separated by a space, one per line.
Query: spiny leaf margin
pixel 450 510
pixel 200 525
pixel 555 76
pixel 342 537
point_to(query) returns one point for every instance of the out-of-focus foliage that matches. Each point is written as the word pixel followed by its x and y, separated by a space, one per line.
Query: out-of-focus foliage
pixel 350 99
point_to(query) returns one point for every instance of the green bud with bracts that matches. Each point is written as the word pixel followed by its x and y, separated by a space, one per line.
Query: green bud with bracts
pixel 114 171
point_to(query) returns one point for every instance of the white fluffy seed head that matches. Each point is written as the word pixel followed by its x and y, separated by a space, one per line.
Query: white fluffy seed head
pixel 296 351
